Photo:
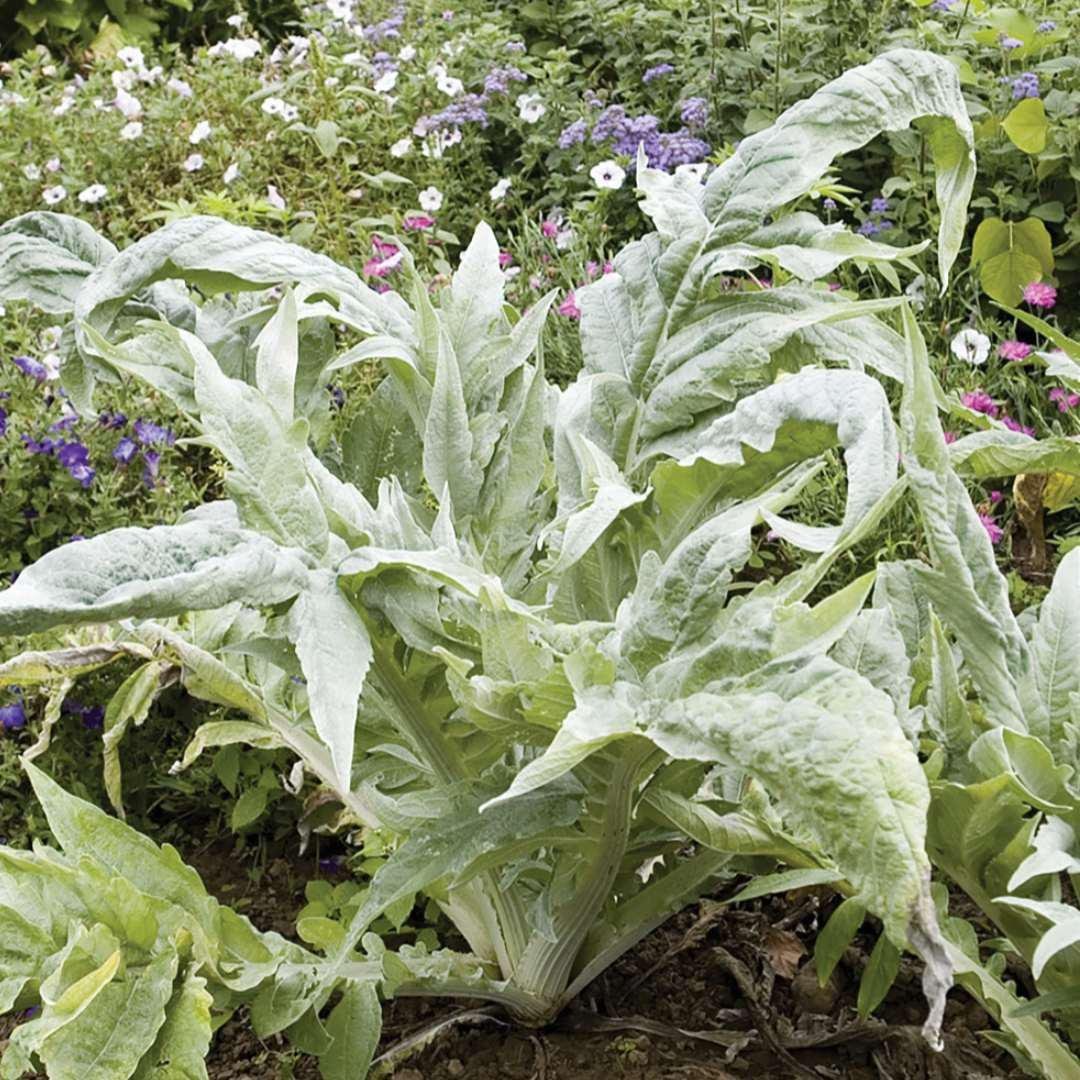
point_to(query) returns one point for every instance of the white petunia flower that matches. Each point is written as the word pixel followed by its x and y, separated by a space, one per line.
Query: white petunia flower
pixel 178 86
pixel 32 172
pixel 386 82
pixel 273 197
pixel 407 53
pixel 272 106
pixel 498 192
pixel 530 107
pixel 131 57
pixel 339 9
pixel 235 21
pixel 231 173
pixel 431 199
pixel 331 81
pixel 93 194
pixel 151 75
pixel 194 162
pixel 52 195
pixel 123 80
pixel 289 113
pixel 200 132
pixel 133 129
pixel 237 48
pixel 65 106
pixel 450 86
pixel 128 104
pixel 697 170
pixel 972 346
pixel 401 147
pixel 52 165
pixel 608 174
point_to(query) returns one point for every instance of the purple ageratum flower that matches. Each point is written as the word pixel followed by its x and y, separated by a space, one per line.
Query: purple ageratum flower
pixel 879 205
pixel 694 112
pixel 498 79
pixel 515 46
pixel 1008 43
pixel 151 434
pixel 35 369
pixel 869 228
pixel 941 6
pixel 1047 26
pixel 125 450
pixel 1026 85
pixel 467 109
pixel 3 422
pixel 13 716
pixel 1014 350
pixel 383 62
pixel 980 401
pixel 609 124
pixel 388 28
pixel 675 148
pixel 573 135
pixel 657 72
pixel 828 204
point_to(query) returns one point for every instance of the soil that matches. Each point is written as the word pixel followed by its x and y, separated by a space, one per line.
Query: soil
pixel 715 994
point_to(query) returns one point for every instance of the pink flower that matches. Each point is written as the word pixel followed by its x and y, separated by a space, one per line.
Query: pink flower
pixel 996 497
pixel 993 529
pixel 592 268
pixel 386 259
pixel 505 259
pixel 1014 350
pixel 1065 399
pixel 980 401
pixel 1015 425
pixel 1039 294
pixel 609 267
pixel 549 228
pixel 835 286
pixel 950 437
pixel 416 222
pixel 569 306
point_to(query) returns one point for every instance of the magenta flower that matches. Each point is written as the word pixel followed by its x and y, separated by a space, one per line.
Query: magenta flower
pixel 505 259
pixel 1065 399
pixel 1015 425
pixel 993 529
pixel 980 401
pixel 386 259
pixel 417 222
pixel 549 227
pixel 1014 350
pixel 569 306
pixel 950 437
pixel 1039 294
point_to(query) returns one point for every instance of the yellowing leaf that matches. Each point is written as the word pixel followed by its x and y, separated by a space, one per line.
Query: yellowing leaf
pixel 1026 126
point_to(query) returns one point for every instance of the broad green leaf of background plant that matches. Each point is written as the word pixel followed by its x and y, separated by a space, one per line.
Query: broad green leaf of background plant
pixel 1027 126
pixel 1010 255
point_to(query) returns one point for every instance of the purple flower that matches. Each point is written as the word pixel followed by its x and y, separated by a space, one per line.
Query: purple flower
pixel 657 72
pixel 828 204
pixel 694 112
pixel 382 63
pixel 1065 399
pixel 1008 43
pixel 573 134
pixel 869 228
pixel 337 396
pixel 44 446
pixel 125 450
pixel 388 28
pixel 3 422
pixel 72 707
pixel 515 46
pixel 93 718
pixel 498 79
pixel 29 366
pixel 993 529
pixel 65 423
pixel 151 461
pixel 13 717
pixel 879 205
pixel 112 421
pixel 1047 26
pixel 72 454
pixel 980 401
pixel 151 434
pixel 1015 425
pixel 332 865
pixel 467 109
pixel 1026 85
pixel 942 6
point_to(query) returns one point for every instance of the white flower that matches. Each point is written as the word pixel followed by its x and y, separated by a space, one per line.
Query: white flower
pixel 32 172
pixel 530 107
pixel 331 81
pixel 131 57
pixel 339 9
pixel 401 147
pixel 408 53
pixel 272 106
pixel 178 86
pixel 237 48
pixel 289 113
pixel 151 75
pixel 93 194
pixel 194 162
pixel 49 70
pixel 52 195
pixel 564 238
pixel 386 82
pixel 128 104
pixel 273 197
pixel 971 346
pixel 696 170
pixel 123 80
pixel 133 129
pixel 50 338
pixel 235 21
pixel 52 165
pixel 66 105
pixel 916 292
pixel 498 192
pixel 200 132
pixel 51 362
pixel 231 173
pixel 450 86
pixel 437 69
pixel 431 199
pixel 608 174
pixel 436 144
